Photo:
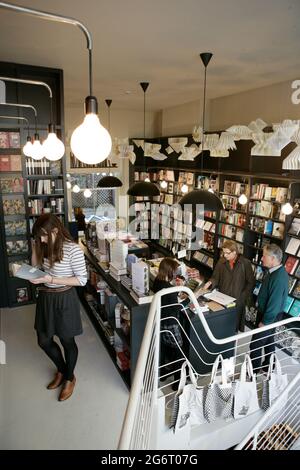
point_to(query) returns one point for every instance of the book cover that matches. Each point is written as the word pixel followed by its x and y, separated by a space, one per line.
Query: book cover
pixel 296 290
pixel 291 264
pixel 14 140
pixel 22 294
pixel 293 246
pixel 278 230
pixel 295 227
pixel 15 163
pixel 295 309
pixel 292 283
pixel 4 140
pixel 25 271
pixel 288 303
pixel 265 209
pixel 4 162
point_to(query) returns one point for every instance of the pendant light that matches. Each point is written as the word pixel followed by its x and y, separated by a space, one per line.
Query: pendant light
pixel 109 182
pixel 144 188
pixel 53 147
pixel 90 142
pixel 287 208
pixel 210 201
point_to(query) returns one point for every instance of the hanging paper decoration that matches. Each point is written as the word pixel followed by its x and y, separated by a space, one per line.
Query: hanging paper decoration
pixel 197 134
pixel 178 143
pixel 190 153
pixel 153 151
pixel 240 132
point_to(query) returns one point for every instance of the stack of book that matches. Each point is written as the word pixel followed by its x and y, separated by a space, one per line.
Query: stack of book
pixel 126 282
pixel 116 272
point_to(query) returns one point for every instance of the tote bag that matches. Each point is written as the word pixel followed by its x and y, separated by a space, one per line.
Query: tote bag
pixel 188 402
pixel 218 397
pixel 245 399
pixel 275 383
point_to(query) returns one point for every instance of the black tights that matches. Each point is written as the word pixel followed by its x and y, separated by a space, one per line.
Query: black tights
pixel 65 366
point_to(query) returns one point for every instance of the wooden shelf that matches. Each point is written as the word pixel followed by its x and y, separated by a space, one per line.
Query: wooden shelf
pixel 265 234
pixel 266 218
pixel 233 225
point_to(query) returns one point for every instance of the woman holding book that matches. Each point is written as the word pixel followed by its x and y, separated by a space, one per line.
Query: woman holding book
pixel 171 338
pixel 57 309
pixel 233 276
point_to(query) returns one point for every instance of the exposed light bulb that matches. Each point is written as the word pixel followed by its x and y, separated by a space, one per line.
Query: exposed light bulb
pixel 54 148
pixel 163 184
pixel 210 190
pixel 91 142
pixel 147 180
pixel 69 186
pixel 243 199
pixel 287 208
pixel 184 188
pixel 76 188
pixel 37 151
pixel 27 149
pixel 87 193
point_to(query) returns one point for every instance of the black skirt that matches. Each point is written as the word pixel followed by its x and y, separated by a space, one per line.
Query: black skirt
pixel 58 313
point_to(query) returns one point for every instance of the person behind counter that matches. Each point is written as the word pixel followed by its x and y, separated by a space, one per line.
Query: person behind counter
pixel 233 276
pixel 169 345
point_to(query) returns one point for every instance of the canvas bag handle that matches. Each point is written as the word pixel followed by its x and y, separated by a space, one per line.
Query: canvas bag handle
pixel 247 368
pixel 274 365
pixel 183 376
pixel 215 371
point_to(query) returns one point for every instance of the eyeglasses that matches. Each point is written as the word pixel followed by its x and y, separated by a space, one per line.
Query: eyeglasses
pixel 227 252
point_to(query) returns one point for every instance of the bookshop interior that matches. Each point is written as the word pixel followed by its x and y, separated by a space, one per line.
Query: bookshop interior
pixel 165 215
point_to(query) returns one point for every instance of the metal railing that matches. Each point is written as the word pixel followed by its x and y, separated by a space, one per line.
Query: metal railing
pixel 154 380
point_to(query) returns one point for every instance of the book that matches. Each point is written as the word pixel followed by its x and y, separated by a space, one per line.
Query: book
pixel 22 294
pixel 295 227
pixel 14 139
pixel 296 290
pixel 15 163
pixel 295 309
pixel 4 140
pixel 278 230
pixel 220 298
pixel 293 246
pixel 142 298
pixel 291 284
pixel 4 162
pixel 291 264
pixel 214 306
pixel 25 271
pixel 288 303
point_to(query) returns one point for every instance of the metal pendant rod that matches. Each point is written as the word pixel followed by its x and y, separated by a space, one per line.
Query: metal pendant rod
pixel 21 106
pixel 28 82
pixel 60 19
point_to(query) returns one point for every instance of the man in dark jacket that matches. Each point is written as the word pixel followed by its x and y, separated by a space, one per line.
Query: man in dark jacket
pixel 270 302
pixel 233 276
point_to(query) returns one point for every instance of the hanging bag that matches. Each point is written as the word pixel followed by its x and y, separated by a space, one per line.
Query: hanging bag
pixel 188 402
pixel 275 383
pixel 218 399
pixel 245 399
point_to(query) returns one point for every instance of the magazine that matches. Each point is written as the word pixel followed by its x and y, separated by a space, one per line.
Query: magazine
pixel 25 271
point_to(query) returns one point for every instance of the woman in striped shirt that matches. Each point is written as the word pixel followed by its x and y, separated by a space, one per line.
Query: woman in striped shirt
pixel 58 309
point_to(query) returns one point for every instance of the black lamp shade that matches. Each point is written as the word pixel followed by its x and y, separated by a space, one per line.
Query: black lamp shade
pixel 143 188
pixel 108 182
pixel 210 201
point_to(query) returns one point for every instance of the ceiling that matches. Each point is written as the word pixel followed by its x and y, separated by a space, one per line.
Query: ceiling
pixel 255 43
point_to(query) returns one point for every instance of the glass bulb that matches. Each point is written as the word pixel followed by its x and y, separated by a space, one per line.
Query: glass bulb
pixel 243 199
pixel 287 208
pixel 76 188
pixel 87 193
pixel 69 186
pixel 163 184
pixel 184 188
pixel 27 149
pixel 147 180
pixel 91 142
pixel 54 148
pixel 210 190
pixel 37 151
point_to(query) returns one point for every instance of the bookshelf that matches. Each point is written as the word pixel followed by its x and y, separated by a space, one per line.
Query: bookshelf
pixel 258 222
pixel 27 187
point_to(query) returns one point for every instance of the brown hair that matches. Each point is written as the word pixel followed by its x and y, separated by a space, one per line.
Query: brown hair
pixel 167 269
pixel 52 251
pixel 231 246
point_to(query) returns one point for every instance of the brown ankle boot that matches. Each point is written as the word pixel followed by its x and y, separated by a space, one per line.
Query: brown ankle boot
pixel 67 389
pixel 56 382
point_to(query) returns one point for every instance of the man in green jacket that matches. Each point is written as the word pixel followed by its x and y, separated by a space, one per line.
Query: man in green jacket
pixel 270 302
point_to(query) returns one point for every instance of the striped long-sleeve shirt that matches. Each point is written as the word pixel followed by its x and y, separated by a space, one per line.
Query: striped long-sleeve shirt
pixel 72 264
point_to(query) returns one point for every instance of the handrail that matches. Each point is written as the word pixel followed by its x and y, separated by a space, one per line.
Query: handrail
pixel 154 316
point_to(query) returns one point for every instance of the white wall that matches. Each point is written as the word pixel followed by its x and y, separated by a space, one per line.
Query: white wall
pixel 272 103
